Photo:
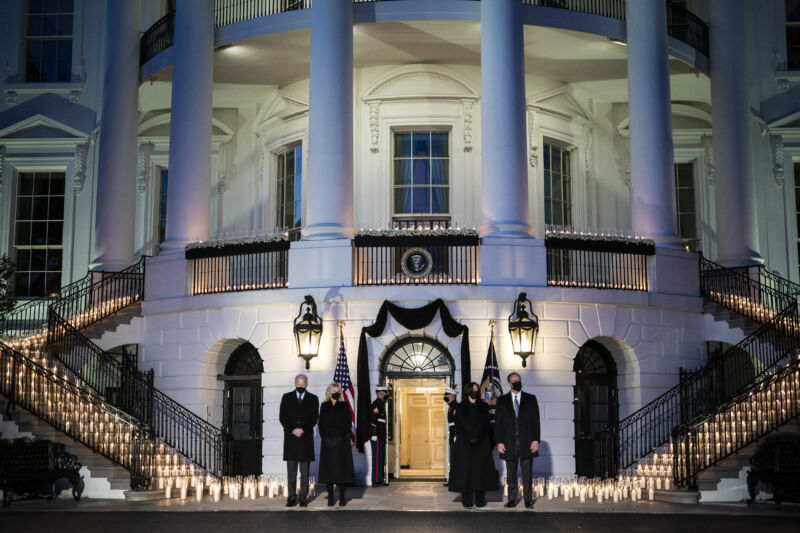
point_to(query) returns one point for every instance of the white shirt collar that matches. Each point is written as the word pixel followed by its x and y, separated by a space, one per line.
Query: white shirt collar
pixel 516 393
pixel 299 395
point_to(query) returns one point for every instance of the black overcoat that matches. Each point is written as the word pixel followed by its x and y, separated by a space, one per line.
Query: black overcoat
pixel 293 415
pixel 505 425
pixel 335 451
pixel 473 467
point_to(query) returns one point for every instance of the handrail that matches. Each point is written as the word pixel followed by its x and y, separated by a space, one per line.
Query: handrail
pixel 622 444
pixel 769 402
pixel 157 38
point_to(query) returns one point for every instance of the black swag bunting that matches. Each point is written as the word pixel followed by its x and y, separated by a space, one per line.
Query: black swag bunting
pixel 410 319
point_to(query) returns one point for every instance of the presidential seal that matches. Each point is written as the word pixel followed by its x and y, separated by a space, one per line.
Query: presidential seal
pixel 416 263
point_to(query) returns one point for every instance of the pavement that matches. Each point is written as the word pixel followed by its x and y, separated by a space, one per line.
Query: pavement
pixel 403 506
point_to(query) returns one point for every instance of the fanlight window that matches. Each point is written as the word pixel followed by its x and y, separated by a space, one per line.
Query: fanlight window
pixel 244 361
pixel 416 355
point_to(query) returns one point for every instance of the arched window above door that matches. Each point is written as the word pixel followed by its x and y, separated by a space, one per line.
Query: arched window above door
pixel 244 361
pixel 417 357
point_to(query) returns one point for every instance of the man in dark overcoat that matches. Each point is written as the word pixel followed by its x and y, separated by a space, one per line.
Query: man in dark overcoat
pixel 516 426
pixel 298 415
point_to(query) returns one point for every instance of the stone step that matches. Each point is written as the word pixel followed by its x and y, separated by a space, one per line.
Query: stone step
pixel 676 496
pixel 144 495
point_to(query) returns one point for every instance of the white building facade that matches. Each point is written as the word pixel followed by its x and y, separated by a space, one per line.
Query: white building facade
pixel 502 135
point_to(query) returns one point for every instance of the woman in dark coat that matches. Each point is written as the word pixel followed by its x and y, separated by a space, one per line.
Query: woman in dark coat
pixel 473 472
pixel 335 451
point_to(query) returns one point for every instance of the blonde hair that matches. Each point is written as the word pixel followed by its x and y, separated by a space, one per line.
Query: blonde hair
pixel 330 388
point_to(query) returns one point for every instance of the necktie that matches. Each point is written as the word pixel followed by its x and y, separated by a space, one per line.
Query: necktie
pixel 299 400
pixel 516 405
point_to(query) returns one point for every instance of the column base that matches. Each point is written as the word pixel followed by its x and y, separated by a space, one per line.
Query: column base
pixel 167 277
pixel 110 264
pixel 673 271
pixel 321 263
pixel 740 261
pixel 318 232
pixel 507 231
pixel 170 246
pixel 513 261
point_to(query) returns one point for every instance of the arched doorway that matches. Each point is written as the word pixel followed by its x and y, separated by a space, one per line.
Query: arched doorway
pixel 242 410
pixel 417 370
pixel 595 400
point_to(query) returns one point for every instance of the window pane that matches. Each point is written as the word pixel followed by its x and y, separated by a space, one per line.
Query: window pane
pixel 421 171
pixel 686 201
pixel 422 200
pixel 65 25
pixel 56 208
pixel 298 160
pixel 38 259
pixel 24 207
pixel 55 231
pixel 52 282
pixel 57 184
pixel 685 175
pixel 23 259
pixel 34 6
pixel 50 6
pixel 40 207
pixel 422 144
pixel 402 145
pixel 441 203
pixel 555 188
pixel 37 284
pixel 50 25
pixel 439 171
pixel 38 233
pixel 22 288
pixel 23 234
pixel 54 259
pixel 65 6
pixel 290 163
pixel 402 172
pixel 289 189
pixel 687 227
pixel 439 144
pixel 402 200
pixel 42 184
pixel 556 160
pixel 546 157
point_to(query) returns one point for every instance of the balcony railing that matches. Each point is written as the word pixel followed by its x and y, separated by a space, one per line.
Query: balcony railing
pixel 681 23
pixel 597 260
pixel 416 258
pixel 239 267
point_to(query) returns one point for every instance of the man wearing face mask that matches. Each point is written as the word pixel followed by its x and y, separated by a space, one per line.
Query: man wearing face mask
pixel 450 400
pixel 377 424
pixel 298 415
pixel 516 426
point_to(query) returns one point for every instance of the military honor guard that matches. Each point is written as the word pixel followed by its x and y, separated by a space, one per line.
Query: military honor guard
pixel 450 400
pixel 377 422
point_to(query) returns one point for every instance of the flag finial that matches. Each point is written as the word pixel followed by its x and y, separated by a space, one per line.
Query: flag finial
pixel 340 323
pixel 492 324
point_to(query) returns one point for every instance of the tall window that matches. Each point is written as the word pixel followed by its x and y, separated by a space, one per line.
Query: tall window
pixel 290 180
pixel 797 201
pixel 421 173
pixel 557 186
pixel 684 204
pixel 48 40
pixel 793 34
pixel 162 206
pixel 38 233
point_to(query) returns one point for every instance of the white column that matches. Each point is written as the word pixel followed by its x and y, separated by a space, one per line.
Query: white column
pixel 652 172
pixel 116 169
pixel 504 174
pixel 189 182
pixel 737 230
pixel 329 210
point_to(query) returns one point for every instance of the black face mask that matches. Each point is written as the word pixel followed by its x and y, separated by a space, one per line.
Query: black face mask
pixel 446 399
pixel 300 390
pixel 335 396
pixel 474 394
pixel 517 386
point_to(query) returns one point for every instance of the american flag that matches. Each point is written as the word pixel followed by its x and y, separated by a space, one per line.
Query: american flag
pixel 342 377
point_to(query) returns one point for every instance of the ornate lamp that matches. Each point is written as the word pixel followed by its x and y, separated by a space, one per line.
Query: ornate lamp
pixel 308 330
pixel 522 328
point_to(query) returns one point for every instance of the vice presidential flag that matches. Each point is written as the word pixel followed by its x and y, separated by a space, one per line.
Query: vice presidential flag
pixel 342 377
pixel 491 389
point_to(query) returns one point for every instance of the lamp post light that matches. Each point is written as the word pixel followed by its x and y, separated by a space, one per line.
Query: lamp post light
pixel 308 330
pixel 523 329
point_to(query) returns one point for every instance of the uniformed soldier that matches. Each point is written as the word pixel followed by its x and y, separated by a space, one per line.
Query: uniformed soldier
pixel 377 422
pixel 450 400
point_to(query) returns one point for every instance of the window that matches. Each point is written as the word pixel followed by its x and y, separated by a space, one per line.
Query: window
pixel 684 204
pixel 38 233
pixel 48 41
pixel 793 34
pixel 290 180
pixel 421 173
pixel 557 186
pixel 162 206
pixel 797 201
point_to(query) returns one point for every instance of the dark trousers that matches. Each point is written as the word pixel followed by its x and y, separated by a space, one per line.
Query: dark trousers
pixel 450 459
pixel 476 497
pixel 527 478
pixel 291 479
pixel 342 491
pixel 378 461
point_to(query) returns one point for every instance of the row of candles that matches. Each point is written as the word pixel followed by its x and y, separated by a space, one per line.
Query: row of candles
pixel 198 486
pixel 586 490
pixel 430 279
pixel 208 287
pixel 750 308
pixel 556 230
pixel 642 285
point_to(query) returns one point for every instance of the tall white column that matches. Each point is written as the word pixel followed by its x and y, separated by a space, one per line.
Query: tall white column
pixel 737 230
pixel 189 182
pixel 649 106
pixel 329 197
pixel 504 174
pixel 116 171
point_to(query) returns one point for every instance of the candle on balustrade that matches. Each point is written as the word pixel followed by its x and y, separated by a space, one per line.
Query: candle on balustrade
pixel 199 492
pixel 583 496
pixel 599 496
pixel 184 489
pixel 168 492
pixel 262 488
pixel 216 492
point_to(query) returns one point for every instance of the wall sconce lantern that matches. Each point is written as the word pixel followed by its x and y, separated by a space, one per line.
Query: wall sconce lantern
pixel 523 329
pixel 308 330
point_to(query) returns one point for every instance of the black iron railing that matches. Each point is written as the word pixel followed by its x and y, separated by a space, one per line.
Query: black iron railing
pixel 416 259
pixel 157 38
pixel 635 436
pixel 685 26
pixel 232 11
pixel 769 402
pixel 597 263
pixel 605 8
pixel 239 267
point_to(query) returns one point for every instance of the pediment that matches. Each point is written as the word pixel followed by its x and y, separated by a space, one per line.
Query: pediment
pixel 158 126
pixel 420 81
pixel 41 127
pixel 560 101
pixel 280 106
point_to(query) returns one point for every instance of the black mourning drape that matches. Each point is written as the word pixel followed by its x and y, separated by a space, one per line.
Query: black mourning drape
pixel 411 319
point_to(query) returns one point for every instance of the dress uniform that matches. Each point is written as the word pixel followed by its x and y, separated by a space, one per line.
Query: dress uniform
pixel 377 422
pixel 451 424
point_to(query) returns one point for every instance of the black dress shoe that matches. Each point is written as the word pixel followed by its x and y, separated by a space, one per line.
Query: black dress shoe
pixel 291 502
pixel 303 503
pixel 528 504
pixel 331 500
pixel 510 504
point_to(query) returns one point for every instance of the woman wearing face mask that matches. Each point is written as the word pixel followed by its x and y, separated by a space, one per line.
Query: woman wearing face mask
pixel 472 473
pixel 335 451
